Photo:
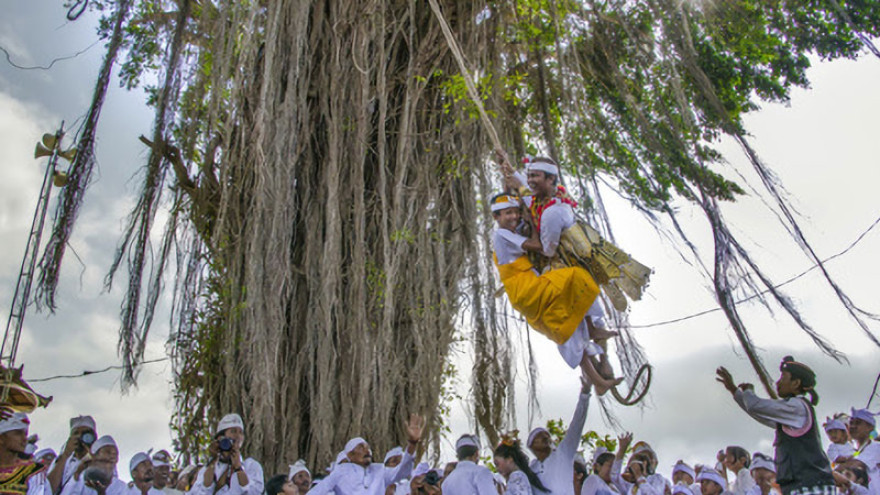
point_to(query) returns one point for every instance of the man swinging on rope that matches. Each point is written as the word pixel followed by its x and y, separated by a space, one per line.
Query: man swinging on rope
pixel 560 303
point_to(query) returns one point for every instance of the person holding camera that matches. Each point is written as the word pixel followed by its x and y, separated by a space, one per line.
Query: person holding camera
pixel 634 479
pixel 226 473
pixel 96 473
pixel 83 433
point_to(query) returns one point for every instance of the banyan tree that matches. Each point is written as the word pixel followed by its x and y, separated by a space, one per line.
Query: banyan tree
pixel 325 177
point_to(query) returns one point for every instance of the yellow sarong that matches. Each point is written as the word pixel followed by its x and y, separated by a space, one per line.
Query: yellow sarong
pixel 554 303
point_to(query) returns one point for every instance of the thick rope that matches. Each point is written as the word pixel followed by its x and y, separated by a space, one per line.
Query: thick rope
pixel 468 81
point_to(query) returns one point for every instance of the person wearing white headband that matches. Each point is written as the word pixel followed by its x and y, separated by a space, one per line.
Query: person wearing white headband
pixel 763 471
pixel 599 481
pixel 655 479
pixel 393 457
pixel 634 480
pixel 300 475
pixel 737 460
pixel 104 455
pixel 18 476
pixel 683 474
pixel 468 477
pixel 83 432
pixel 45 456
pixel 226 472
pixel 361 476
pixel 555 466
pixel 142 474
pixel 861 423
pixel 839 447
pixel 162 473
pixel 711 482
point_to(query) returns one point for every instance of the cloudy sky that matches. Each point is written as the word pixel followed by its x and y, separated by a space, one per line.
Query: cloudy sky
pixel 823 146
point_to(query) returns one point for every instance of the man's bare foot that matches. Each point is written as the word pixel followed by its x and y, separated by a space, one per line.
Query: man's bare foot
pixel 608 385
pixel 600 383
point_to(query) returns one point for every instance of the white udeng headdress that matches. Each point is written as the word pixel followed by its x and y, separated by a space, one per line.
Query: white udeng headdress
pixel 298 467
pixel 503 202
pixel 543 165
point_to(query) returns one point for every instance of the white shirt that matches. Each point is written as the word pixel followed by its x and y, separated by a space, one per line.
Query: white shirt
pixel 594 485
pixel 254 486
pixel 38 484
pixel 554 219
pixel 134 490
pixel 870 455
pixel 69 468
pixel 508 246
pixel 352 479
pixel 836 450
pixel 557 470
pixel 628 488
pixel 743 482
pixel 518 484
pixel 756 490
pixel 469 479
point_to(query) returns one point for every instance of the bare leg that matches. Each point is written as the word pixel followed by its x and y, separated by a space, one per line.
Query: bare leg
pixel 601 383
pixel 598 334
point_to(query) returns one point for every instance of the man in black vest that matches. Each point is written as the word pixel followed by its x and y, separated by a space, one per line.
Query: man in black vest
pixel 801 465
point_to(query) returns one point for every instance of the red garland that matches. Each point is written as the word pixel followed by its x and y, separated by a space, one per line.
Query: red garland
pixel 537 208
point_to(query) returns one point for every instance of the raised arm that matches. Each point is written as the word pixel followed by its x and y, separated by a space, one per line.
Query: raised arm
pixel 569 444
pixel 769 412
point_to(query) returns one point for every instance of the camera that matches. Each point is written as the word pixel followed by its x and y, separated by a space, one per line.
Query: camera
pixel 432 478
pixel 87 438
pixel 225 444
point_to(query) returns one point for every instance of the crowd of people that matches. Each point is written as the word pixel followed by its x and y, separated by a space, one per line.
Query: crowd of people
pixel 87 463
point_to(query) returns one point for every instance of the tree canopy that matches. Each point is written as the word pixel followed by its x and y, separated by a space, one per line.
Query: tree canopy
pixel 327 180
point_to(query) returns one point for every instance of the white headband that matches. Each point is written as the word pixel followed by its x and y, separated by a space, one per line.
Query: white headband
pixel 298 467
pixel 83 421
pixel 467 441
pixel 710 474
pixel 681 467
pixel 395 452
pixel 230 421
pixel 761 463
pixel 865 415
pixel 352 444
pixel 102 442
pixel 534 433
pixel 834 424
pixel 546 167
pixel 161 458
pixel 18 421
pixel 137 460
pixel 43 453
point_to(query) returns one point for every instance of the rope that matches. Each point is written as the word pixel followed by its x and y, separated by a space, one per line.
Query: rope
pixel 45 67
pixel 468 81
pixel 852 245
pixel 92 372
